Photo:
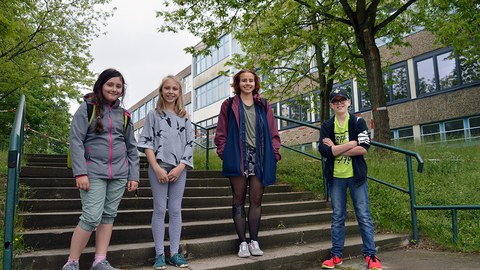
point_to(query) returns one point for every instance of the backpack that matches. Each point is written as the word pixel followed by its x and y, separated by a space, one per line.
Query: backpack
pixel 90 115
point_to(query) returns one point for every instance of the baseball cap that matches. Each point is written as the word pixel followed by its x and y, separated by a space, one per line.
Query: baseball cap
pixel 338 93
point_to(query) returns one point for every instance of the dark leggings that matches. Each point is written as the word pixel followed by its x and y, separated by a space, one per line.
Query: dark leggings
pixel 239 189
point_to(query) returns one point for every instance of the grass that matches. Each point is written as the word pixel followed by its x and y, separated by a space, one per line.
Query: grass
pixel 451 176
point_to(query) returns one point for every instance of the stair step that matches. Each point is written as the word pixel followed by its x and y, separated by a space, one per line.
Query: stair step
pixel 296 255
pixel 295 227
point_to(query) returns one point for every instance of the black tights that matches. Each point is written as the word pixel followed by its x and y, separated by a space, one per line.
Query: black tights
pixel 239 190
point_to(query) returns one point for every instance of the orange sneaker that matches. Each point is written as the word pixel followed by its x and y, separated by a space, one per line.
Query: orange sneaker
pixel 373 263
pixel 331 261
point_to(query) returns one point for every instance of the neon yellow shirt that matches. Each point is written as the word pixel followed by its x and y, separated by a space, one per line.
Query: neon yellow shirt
pixel 342 167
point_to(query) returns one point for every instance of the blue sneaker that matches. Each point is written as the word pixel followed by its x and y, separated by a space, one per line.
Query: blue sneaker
pixel 178 260
pixel 160 262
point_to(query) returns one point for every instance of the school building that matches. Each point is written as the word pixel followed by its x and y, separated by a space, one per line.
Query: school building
pixel 432 95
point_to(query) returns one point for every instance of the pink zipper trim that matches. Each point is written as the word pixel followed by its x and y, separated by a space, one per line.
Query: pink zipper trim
pixel 111 143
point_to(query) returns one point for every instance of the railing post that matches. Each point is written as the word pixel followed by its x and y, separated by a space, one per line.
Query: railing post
pixel 454 225
pixel 207 149
pixel 413 203
pixel 14 158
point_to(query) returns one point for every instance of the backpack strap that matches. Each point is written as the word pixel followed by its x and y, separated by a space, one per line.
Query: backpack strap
pixel 91 109
pixel 264 102
pixel 90 112
pixel 126 120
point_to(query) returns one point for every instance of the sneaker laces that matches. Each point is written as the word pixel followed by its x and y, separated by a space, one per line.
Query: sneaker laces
pixel 330 256
pixel 255 244
pixel 373 258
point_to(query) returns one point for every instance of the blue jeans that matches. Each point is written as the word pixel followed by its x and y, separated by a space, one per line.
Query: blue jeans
pixel 359 195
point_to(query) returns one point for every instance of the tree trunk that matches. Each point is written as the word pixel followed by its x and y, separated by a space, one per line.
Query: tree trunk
pixel 371 56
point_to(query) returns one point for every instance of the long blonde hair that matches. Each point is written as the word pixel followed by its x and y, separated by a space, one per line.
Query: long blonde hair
pixel 179 107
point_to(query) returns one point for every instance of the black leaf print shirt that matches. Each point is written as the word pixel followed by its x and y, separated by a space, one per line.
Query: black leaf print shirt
pixel 169 136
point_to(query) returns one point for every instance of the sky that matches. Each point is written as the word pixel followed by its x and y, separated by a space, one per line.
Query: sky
pixel 134 47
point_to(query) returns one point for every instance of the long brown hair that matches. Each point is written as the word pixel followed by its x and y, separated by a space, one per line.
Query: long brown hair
pixel 99 99
pixel 179 107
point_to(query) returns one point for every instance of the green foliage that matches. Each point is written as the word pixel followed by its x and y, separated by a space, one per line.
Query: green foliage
pixel 44 54
pixel 454 23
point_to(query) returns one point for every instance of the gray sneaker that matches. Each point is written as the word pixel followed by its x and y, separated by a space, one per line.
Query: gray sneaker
pixel 71 266
pixel 103 265
pixel 243 250
pixel 254 248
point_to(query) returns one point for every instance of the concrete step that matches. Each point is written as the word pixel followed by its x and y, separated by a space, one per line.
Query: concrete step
pixel 62 205
pixel 195 191
pixel 64 172
pixel 124 217
pixel 60 238
pixel 139 256
pixel 144 182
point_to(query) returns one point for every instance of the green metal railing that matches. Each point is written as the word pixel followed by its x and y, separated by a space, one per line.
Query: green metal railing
pixel 15 152
pixel 207 134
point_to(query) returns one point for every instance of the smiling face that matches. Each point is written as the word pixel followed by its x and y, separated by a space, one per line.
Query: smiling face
pixel 340 105
pixel 112 89
pixel 247 83
pixel 170 91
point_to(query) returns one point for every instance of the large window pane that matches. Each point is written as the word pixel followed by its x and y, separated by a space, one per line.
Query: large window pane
pixel 454 130
pixel 285 112
pixel 431 133
pixel 447 72
pixel 474 126
pixel 399 86
pixel 426 76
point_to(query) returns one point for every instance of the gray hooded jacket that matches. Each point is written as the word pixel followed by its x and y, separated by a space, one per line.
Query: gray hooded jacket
pixel 111 154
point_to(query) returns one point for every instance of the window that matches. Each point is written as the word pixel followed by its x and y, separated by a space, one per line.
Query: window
pixel 474 123
pixel 149 106
pixel 441 70
pixel 396 83
pixel 212 91
pixel 296 109
pixel 430 133
pixel 202 63
pixel 402 135
pixel 364 95
pixel 454 130
pixel 135 116
pixel 188 109
pixel 141 112
pixel 187 83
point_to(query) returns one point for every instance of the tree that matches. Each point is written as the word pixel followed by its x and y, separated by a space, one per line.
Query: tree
pixel 44 54
pixel 297 52
pixel 367 21
pixel 454 23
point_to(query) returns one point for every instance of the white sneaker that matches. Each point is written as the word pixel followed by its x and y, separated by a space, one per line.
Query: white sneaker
pixel 243 250
pixel 254 248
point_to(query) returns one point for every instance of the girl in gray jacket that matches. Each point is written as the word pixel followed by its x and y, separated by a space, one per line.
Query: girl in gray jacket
pixel 104 160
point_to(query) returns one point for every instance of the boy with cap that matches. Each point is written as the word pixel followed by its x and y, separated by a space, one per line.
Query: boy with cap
pixel 343 141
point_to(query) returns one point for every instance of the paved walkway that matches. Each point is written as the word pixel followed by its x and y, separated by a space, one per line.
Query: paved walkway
pixel 420 259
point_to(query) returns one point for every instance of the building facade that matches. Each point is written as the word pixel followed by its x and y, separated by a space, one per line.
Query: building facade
pixel 432 96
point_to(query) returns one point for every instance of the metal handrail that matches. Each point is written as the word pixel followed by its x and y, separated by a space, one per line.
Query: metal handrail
pixel 15 152
pixel 411 187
